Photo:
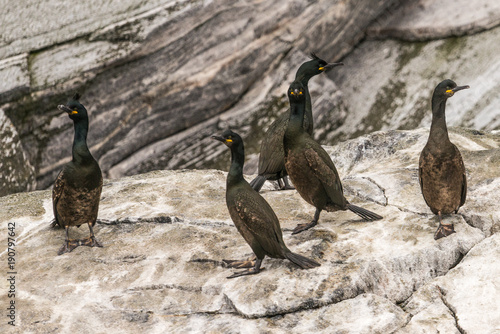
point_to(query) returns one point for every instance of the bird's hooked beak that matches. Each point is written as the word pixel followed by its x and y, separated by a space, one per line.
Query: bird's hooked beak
pixel 222 139
pixel 452 91
pixel 219 138
pixel 67 109
pixel 456 89
pixel 329 66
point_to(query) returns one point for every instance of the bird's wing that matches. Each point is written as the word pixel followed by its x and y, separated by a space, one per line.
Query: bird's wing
pixel 57 191
pixel 464 190
pixel 420 164
pixel 323 168
pixel 463 194
pixel 421 175
pixel 259 219
pixel 272 153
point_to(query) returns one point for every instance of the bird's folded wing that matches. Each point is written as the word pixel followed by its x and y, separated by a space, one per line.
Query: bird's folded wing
pixel 464 177
pixel 323 168
pixel 57 191
pixel 260 220
pixel 272 153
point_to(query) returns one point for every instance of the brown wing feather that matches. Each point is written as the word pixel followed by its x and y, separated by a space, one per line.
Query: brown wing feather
pixel 421 177
pixel 463 194
pixel 257 221
pixel 57 191
pixel 272 153
pixel 323 168
pixel 464 190
pixel 442 178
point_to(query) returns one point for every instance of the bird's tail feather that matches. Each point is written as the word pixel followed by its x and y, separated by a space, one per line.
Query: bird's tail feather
pixel 258 182
pixel 301 261
pixel 363 213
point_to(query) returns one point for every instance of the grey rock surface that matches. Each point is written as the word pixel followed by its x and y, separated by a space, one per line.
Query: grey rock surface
pixel 155 74
pixel 165 234
pixel 398 79
pixel 17 174
pixel 430 19
pixel 160 77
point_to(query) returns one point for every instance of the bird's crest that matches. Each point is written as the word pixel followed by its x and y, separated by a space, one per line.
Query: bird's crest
pixel 313 56
pixel 76 97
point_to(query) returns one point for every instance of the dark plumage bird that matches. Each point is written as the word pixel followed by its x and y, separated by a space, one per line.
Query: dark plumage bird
pixel 272 155
pixel 441 169
pixel 310 167
pixel 77 189
pixel 252 215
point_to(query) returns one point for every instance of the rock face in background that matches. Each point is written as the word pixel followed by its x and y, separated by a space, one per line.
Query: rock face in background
pixel 422 20
pixel 160 77
pixel 152 74
pixel 396 78
pixel 165 234
pixel 17 174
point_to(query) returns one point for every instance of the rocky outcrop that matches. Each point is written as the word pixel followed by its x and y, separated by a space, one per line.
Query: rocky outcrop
pixel 165 234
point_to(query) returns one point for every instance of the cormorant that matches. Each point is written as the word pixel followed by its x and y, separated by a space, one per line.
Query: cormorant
pixel 272 156
pixel 77 188
pixel 310 167
pixel 441 169
pixel 253 216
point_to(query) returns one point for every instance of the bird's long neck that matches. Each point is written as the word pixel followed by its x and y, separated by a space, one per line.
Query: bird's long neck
pixel 439 131
pixel 308 116
pixel 81 153
pixel 235 174
pixel 295 123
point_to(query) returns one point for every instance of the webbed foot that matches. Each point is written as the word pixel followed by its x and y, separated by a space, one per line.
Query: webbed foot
pixel 250 271
pixel 248 263
pixel 68 246
pixel 303 227
pixel 444 230
pixel 90 242
pixel 284 184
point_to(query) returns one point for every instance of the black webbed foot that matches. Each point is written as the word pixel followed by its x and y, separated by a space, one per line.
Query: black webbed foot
pixel 284 184
pixel 250 271
pixel 90 242
pixel 303 227
pixel 248 263
pixel 68 246
pixel 444 230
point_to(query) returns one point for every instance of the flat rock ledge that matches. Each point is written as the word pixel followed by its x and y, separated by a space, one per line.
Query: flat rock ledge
pixel 165 234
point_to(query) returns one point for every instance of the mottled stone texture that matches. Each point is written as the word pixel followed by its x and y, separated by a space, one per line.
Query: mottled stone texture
pixel 16 172
pixel 165 234
pixel 159 77
pixel 156 75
